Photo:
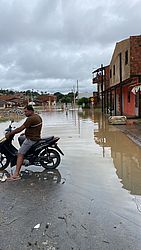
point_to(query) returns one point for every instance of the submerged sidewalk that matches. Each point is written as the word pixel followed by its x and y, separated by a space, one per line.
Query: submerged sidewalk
pixel 132 129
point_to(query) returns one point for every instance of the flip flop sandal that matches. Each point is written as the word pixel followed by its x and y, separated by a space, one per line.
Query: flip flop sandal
pixel 11 178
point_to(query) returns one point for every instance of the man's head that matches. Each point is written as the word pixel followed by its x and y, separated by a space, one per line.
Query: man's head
pixel 28 110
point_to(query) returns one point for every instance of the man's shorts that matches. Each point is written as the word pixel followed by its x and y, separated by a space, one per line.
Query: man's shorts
pixel 26 145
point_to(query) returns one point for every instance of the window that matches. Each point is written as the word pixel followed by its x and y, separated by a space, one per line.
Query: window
pixel 126 57
pixel 114 70
pixel 110 73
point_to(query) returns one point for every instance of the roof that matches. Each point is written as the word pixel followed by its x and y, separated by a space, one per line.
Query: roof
pixel 9 98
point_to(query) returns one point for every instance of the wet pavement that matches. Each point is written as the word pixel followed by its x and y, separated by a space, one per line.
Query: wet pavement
pixel 92 201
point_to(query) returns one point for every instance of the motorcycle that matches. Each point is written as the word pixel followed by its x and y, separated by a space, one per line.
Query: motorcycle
pixel 44 152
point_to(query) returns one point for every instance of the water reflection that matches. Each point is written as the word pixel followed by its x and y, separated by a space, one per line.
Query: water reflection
pixel 126 154
pixel 51 176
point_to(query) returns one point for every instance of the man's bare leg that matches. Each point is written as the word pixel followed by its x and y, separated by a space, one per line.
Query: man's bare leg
pixel 20 158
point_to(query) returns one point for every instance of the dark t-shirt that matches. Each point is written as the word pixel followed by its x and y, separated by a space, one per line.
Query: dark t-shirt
pixel 33 125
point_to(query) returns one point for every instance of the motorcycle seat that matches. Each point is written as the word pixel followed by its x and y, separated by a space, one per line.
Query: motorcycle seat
pixel 40 142
pixel 43 140
pixel 46 138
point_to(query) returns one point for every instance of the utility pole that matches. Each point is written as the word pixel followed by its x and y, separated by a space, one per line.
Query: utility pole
pixel 73 97
pixel 102 86
pixel 77 91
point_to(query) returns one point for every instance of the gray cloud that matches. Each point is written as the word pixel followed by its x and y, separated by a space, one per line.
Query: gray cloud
pixel 47 45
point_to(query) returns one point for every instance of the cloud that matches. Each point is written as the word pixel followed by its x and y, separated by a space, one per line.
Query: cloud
pixel 49 45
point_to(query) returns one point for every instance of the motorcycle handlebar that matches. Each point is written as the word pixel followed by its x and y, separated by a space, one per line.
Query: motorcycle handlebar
pixel 9 129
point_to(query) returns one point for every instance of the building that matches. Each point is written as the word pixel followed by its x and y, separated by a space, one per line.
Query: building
pixel 101 77
pixel 12 101
pixel 121 94
pixel 47 101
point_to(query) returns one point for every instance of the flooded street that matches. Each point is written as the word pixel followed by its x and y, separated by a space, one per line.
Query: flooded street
pixel 91 201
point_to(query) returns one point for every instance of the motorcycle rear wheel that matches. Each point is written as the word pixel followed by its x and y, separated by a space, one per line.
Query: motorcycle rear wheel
pixel 4 162
pixel 49 158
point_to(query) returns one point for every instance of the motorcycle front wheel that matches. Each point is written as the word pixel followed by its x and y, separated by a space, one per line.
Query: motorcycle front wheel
pixel 49 158
pixel 4 162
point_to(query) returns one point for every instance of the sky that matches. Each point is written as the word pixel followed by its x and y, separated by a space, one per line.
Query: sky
pixel 49 45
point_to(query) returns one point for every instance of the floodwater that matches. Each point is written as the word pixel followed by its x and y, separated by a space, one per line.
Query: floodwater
pixel 92 201
pixel 87 134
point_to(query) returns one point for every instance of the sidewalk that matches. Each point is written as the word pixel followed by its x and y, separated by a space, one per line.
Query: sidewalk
pixel 133 130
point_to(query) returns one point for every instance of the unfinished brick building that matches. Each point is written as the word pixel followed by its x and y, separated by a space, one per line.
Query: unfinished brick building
pixel 122 96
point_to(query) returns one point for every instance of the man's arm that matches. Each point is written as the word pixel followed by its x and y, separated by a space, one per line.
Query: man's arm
pixel 15 131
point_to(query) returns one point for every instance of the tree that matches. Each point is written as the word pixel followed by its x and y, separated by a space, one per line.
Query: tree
pixel 59 96
pixel 66 99
pixel 84 102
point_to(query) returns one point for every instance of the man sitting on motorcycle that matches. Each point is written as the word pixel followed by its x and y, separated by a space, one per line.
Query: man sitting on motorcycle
pixel 32 127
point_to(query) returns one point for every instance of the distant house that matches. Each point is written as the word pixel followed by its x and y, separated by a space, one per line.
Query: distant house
pixel 47 101
pixel 122 93
pixel 2 104
pixel 7 101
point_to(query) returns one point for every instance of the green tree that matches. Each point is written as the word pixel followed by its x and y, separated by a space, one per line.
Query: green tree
pixel 84 102
pixel 66 99
pixel 59 96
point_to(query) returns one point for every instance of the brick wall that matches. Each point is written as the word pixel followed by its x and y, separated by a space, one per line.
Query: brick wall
pixel 135 55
